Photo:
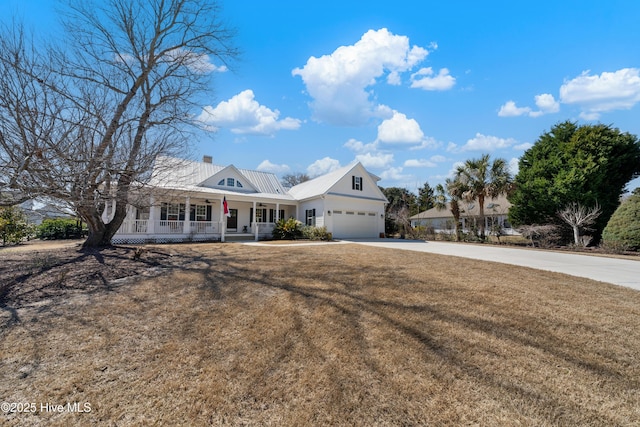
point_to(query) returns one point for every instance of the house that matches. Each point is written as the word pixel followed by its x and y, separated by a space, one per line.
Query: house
pixel 197 201
pixel 41 208
pixel 441 220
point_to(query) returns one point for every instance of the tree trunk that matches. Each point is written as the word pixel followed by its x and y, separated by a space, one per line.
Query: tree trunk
pixel 576 234
pixel 481 208
pixel 100 234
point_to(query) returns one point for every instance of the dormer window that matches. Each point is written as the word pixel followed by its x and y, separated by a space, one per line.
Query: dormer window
pixel 230 182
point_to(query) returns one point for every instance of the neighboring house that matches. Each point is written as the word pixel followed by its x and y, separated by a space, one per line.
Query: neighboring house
pixel 41 208
pixel 441 220
pixel 185 201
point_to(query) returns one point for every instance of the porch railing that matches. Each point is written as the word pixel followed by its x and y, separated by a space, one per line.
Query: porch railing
pixel 200 227
pixel 142 226
pixel 134 227
pixel 171 227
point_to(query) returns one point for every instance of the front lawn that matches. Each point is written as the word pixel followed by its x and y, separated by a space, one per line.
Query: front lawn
pixel 338 334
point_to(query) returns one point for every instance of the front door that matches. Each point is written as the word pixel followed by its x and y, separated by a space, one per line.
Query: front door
pixel 232 221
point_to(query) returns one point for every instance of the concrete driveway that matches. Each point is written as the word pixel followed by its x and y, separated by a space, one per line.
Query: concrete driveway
pixel 622 272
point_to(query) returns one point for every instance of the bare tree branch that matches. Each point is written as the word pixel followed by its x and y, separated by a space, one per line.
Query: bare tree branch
pixel 579 217
pixel 84 122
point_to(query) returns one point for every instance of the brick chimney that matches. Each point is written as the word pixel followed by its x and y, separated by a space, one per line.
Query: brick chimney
pixel 207 159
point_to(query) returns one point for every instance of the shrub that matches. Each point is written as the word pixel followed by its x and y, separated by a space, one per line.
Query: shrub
pixel 60 228
pixel 13 226
pixel 287 229
pixel 623 228
pixel 316 233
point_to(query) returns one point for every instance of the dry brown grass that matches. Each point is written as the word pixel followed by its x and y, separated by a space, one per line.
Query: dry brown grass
pixel 338 334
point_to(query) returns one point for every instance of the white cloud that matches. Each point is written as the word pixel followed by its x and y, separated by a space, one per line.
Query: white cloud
pixel 419 163
pixel 376 160
pixel 509 109
pixel 196 62
pixel 514 166
pixel 487 143
pixel 358 146
pixel 338 82
pixel 545 102
pixel 267 166
pixel 438 158
pixel 400 130
pixel 394 174
pixel 423 79
pixel 244 115
pixel 608 91
pixel 428 142
pixel 322 166
pixel 524 146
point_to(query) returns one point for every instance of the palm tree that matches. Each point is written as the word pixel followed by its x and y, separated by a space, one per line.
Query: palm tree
pixel 483 179
pixel 452 190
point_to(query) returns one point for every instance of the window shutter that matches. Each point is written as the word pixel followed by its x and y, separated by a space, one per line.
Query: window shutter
pixel 250 216
pixel 353 182
pixel 361 183
pixel 209 210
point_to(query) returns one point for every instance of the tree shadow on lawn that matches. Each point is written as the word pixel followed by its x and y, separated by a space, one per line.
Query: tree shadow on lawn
pixel 385 317
pixel 416 325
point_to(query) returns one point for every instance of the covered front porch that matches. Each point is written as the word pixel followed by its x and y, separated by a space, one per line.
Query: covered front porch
pixel 197 218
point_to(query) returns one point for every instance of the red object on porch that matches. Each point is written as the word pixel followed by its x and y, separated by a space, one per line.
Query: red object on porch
pixel 226 207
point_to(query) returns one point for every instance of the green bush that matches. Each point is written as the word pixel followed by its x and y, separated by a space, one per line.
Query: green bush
pixel 14 227
pixel 287 229
pixel 60 228
pixel 316 233
pixel 623 229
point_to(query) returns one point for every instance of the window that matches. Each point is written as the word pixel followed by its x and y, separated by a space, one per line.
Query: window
pixel 230 182
pixel 310 217
pixel 200 213
pixel 356 183
pixel 172 212
pixel 272 213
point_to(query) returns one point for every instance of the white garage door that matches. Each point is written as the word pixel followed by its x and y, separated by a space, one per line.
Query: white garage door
pixel 354 224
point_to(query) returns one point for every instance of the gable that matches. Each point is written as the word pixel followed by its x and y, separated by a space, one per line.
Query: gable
pixel 359 183
pixel 229 178
pixel 341 182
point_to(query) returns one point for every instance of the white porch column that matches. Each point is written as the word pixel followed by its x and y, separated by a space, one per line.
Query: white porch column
pixel 186 227
pixel 151 224
pixel 277 215
pixel 223 221
pixel 255 223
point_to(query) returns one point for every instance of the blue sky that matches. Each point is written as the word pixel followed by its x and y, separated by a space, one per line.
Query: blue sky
pixel 409 88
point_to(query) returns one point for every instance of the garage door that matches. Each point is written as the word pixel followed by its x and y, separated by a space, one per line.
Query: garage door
pixel 354 224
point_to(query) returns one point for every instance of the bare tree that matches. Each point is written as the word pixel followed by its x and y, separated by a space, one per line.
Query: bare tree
pixel 84 122
pixel 579 217
pixel 292 179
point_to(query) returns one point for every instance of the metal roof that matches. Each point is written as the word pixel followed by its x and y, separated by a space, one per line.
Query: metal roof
pixel 170 172
pixel 498 206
